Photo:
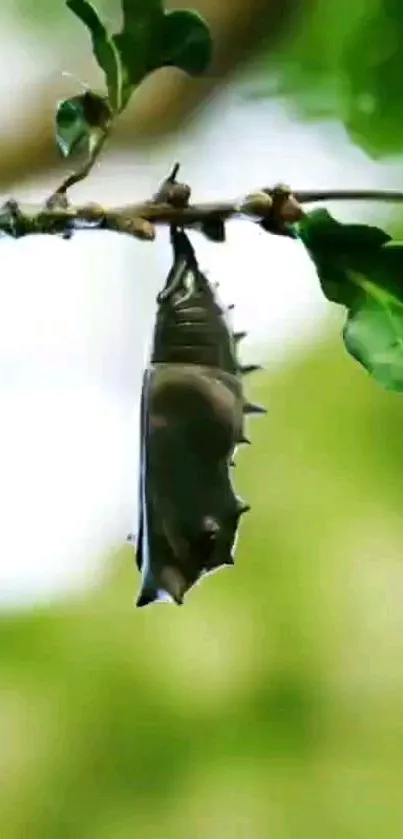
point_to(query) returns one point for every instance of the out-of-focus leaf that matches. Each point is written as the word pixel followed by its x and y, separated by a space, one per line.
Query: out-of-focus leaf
pixel 360 267
pixel 373 65
pixel 344 62
pixel 79 123
pixel 105 50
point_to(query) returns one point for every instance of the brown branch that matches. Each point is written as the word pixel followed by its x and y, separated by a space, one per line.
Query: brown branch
pixel 311 196
pixel 276 209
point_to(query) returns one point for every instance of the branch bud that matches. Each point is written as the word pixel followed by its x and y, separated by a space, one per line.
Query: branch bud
pixel 258 204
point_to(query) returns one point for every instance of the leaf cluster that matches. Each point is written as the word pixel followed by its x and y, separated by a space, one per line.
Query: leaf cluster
pixel 150 38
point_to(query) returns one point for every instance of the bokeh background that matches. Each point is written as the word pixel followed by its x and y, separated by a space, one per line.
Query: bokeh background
pixel 271 703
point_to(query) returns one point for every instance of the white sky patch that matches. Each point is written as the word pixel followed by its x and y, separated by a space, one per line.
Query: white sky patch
pixel 72 336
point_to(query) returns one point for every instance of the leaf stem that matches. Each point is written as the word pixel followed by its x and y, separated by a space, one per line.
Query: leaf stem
pixel 81 174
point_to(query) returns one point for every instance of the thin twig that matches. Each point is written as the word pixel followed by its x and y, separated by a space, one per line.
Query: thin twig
pixel 81 174
pixel 306 196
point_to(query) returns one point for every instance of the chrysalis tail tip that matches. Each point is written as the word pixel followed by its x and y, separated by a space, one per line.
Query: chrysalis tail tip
pixel 148 597
pixel 145 598
pixel 178 601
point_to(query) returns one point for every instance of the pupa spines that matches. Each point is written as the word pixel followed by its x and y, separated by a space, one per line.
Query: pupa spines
pixel 242 507
pixel 251 408
pixel 243 440
pixel 247 369
pixel 193 409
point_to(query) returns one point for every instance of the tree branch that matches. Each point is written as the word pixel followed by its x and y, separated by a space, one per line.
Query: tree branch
pixel 274 208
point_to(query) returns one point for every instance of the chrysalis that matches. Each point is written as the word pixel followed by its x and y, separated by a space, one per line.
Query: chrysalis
pixel 192 419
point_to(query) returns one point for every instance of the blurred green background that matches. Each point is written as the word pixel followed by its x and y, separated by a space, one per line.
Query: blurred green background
pixel 271 703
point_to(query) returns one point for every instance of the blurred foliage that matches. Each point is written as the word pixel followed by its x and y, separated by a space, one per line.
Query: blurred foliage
pixel 268 705
pixel 346 62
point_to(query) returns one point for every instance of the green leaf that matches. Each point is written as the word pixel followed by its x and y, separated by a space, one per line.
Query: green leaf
pixel 153 39
pixel 360 267
pixel 80 121
pixel 106 52
pixel 335 248
pixel 142 21
pixel 186 42
pixel 150 38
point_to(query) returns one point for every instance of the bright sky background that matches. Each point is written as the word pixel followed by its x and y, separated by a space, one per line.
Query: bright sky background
pixel 76 319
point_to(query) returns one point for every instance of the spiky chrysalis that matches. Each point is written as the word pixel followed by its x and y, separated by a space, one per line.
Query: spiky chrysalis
pixel 192 419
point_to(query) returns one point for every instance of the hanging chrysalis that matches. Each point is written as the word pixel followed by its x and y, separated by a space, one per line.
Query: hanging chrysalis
pixel 192 419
